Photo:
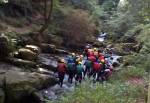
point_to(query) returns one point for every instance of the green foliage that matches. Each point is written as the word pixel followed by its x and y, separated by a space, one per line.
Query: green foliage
pixel 128 17
pixel 104 93
pixel 140 61
pixel 118 25
pixel 74 25
pixel 146 66
pixel 144 37
pixel 142 9
pixel 91 6
pixel 12 36
pixel 77 26
pixel 127 73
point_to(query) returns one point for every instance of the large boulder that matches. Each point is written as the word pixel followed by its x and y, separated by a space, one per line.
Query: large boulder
pixel 47 61
pixel 4 46
pixel 27 54
pixel 19 85
pixel 21 62
pixel 118 49
pixel 134 47
pixel 33 48
pixel 127 48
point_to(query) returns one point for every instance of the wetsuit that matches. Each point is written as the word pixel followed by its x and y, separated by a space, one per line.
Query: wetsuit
pixel 88 66
pixel 71 71
pixel 61 72
pixel 79 71
pixel 96 69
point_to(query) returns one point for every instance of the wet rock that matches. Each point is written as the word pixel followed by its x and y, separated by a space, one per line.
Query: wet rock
pixel 4 46
pixel 44 71
pixel 2 96
pixel 128 47
pixel 33 48
pixel 98 44
pixel 27 54
pixel 20 84
pixel 124 48
pixel 116 60
pixel 119 51
pixel 21 62
pixel 131 47
pixel 60 51
pixel 48 48
pixel 137 47
pixel 46 61
pixel 110 46
pixel 116 64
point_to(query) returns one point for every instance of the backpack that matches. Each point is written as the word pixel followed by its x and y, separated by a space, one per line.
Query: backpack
pixel 88 63
pixel 71 66
pixel 79 69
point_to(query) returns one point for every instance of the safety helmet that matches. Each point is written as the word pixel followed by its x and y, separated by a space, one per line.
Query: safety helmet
pixel 81 56
pixel 73 54
pixel 95 49
pixel 62 60
pixel 79 62
pixel 103 61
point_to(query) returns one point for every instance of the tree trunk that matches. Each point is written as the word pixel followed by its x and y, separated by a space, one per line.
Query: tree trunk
pixel 47 19
pixel 45 11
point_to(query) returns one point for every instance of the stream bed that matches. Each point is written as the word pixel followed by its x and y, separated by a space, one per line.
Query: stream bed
pixel 55 92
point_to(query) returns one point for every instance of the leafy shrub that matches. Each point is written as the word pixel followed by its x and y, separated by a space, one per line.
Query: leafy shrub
pixel 144 37
pixel 77 26
pixel 104 93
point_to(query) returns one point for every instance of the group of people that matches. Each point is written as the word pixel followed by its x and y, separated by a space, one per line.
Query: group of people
pixel 91 64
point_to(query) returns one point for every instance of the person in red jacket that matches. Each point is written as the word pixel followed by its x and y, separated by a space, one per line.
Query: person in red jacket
pixel 92 58
pixel 90 53
pixel 96 68
pixel 101 57
pixel 61 68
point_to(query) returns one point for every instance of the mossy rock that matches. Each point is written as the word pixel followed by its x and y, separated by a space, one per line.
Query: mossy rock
pixel 27 54
pixel 33 48
pixel 2 96
pixel 20 85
